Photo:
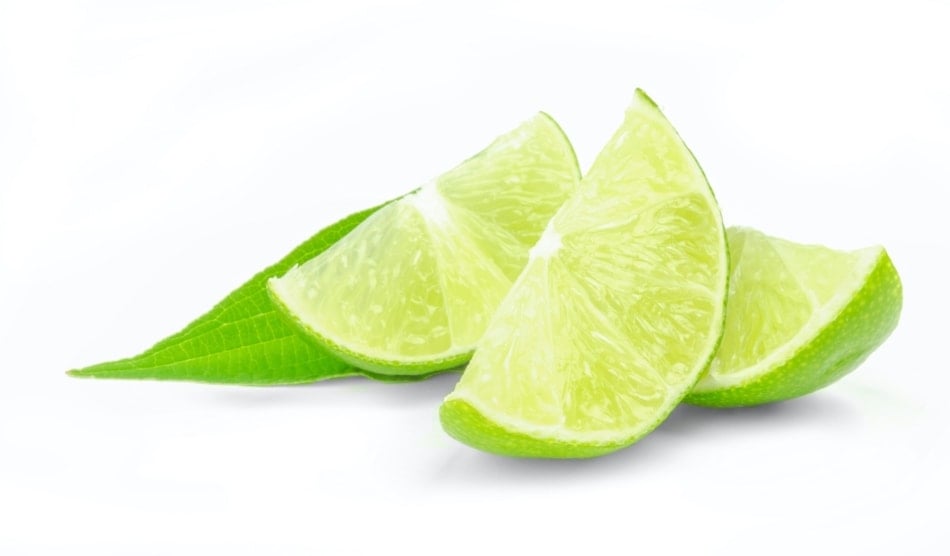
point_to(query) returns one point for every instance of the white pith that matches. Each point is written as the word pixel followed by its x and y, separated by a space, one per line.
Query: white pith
pixel 548 245
pixel 431 205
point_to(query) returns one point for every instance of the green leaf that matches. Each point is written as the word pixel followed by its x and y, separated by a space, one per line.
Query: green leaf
pixel 245 338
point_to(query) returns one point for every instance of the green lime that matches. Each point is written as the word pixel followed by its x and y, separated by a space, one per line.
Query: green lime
pixel 617 313
pixel 411 289
pixel 800 317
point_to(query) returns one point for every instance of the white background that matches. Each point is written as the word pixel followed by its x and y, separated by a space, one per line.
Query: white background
pixel 154 155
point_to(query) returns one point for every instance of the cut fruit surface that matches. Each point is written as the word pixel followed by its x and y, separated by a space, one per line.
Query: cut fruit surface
pixel 617 313
pixel 800 317
pixel 411 290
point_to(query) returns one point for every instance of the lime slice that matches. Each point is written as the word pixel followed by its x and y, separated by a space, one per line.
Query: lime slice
pixel 411 290
pixel 800 317
pixel 616 315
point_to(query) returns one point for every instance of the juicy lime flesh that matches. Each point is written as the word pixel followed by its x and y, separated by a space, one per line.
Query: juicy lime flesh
pixel 777 287
pixel 800 317
pixel 616 314
pixel 412 289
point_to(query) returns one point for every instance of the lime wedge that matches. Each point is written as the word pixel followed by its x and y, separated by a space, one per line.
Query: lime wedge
pixel 411 289
pixel 800 317
pixel 617 313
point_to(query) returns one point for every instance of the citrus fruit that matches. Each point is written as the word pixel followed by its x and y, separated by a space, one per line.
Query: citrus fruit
pixel 411 289
pixel 617 313
pixel 799 318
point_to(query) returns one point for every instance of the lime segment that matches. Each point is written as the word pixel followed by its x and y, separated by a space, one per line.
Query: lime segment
pixel 411 290
pixel 617 313
pixel 800 317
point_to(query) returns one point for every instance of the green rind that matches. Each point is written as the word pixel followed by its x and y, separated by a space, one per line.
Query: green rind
pixel 244 339
pixel 848 339
pixel 466 424
pixel 374 368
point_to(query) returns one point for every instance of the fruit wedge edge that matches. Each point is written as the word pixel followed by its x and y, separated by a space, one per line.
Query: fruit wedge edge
pixel 838 347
